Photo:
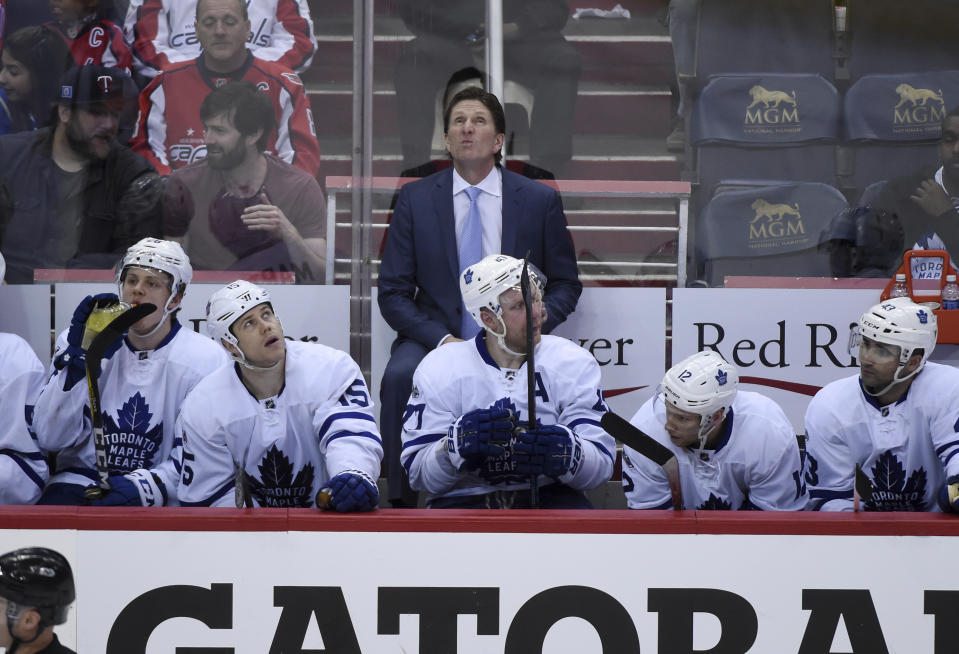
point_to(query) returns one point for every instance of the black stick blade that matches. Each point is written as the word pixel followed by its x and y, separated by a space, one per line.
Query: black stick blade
pixel 116 329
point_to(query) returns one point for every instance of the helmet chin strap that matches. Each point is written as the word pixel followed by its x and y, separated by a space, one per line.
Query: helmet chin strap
pixel 242 360
pixel 501 338
pixel 896 379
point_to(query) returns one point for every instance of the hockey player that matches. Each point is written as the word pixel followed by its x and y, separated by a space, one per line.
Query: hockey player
pixel 897 419
pixel 144 378
pixel 735 450
pixel 163 32
pixel 466 437
pixel 294 424
pixel 169 131
pixel 36 591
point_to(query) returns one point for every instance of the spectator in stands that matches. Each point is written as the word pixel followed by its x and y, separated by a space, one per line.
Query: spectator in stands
pixel 163 32
pixel 735 450
pixel 77 198
pixel 863 242
pixel 450 35
pixel 896 420
pixel 34 60
pixel 239 207
pixel 467 437
pixel 169 131
pixel 926 201
pixel 23 470
pixel 36 591
pixel 90 30
pixel 419 293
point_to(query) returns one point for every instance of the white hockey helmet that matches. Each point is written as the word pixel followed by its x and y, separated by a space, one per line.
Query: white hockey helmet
pixel 902 323
pixel 166 256
pixel 482 283
pixel 227 305
pixel 702 383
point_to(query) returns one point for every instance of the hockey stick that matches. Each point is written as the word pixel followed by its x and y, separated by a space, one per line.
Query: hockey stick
pixel 98 347
pixel 628 434
pixel 530 373
pixel 862 489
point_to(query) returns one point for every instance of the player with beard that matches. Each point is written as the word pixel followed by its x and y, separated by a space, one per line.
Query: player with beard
pixel 241 207
pixel 897 419
pixel 77 198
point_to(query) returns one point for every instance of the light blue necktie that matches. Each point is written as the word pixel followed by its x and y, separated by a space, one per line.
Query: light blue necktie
pixel 471 251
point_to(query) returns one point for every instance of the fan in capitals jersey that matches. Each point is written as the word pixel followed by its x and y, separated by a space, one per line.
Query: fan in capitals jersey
pixel 289 445
pixel 163 32
pixel 907 448
pixel 95 40
pixel 23 469
pixel 169 132
pixel 755 464
pixel 458 377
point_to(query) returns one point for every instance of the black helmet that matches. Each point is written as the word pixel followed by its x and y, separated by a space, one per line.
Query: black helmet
pixel 40 578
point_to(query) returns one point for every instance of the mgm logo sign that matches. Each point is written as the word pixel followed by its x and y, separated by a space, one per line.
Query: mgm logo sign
pixel 918 110
pixel 771 110
pixel 774 225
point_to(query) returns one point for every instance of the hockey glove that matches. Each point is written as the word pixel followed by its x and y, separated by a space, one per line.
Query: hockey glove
pixel 479 434
pixel 73 359
pixel 949 495
pixel 137 488
pixel 551 450
pixel 352 490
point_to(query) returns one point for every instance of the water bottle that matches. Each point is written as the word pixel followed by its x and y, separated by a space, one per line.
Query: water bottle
pixel 950 293
pixel 900 289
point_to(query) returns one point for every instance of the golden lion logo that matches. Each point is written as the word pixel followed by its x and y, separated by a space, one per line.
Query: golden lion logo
pixel 771 211
pixel 770 98
pixel 917 97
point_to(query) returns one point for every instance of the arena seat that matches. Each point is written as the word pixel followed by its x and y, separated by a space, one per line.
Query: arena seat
pixel 891 125
pixel 768 229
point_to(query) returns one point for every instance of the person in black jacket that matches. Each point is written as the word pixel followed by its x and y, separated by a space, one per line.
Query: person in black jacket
pixel 36 591
pixel 72 196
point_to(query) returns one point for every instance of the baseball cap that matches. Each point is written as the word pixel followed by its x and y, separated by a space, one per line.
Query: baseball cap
pixel 92 84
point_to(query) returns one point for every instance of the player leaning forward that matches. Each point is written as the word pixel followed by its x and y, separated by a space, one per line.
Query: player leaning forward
pixel 898 419
pixel 735 449
pixel 144 378
pixel 461 442
pixel 293 418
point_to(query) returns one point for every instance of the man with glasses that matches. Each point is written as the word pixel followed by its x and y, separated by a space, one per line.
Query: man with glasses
pixel 897 420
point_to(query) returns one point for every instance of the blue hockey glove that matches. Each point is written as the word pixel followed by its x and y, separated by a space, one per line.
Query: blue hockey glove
pixel 479 434
pixel 949 495
pixel 74 357
pixel 551 450
pixel 352 490
pixel 137 488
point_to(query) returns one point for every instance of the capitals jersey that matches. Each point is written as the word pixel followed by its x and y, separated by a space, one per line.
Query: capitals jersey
pixel 756 463
pixel 457 378
pixel 163 32
pixel 907 449
pixel 169 132
pixel 23 469
pixel 140 396
pixel 289 445
pixel 99 42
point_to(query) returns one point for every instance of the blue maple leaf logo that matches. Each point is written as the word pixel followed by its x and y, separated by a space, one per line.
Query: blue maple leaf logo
pixel 131 442
pixel 722 377
pixel 892 491
pixel 923 316
pixel 468 276
pixel 277 486
pixel 134 416
pixel 714 503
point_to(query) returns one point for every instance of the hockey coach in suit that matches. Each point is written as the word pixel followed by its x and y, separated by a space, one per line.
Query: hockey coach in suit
pixel 446 222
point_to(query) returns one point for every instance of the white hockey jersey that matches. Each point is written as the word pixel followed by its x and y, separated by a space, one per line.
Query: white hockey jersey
pixel 289 445
pixel 457 378
pixel 756 465
pixel 907 449
pixel 163 32
pixel 23 469
pixel 140 397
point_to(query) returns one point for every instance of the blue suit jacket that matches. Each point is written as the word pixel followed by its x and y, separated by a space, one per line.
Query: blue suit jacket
pixel 419 294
